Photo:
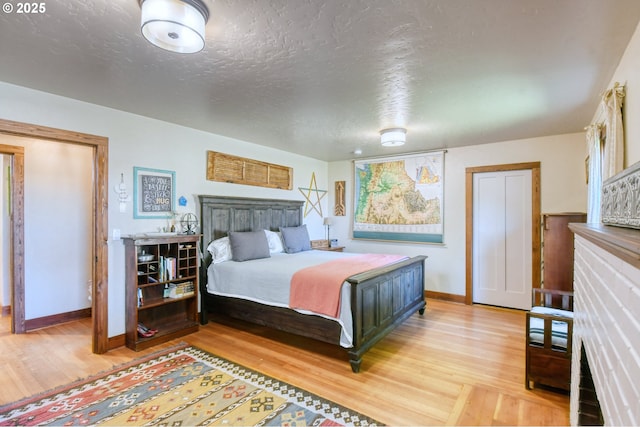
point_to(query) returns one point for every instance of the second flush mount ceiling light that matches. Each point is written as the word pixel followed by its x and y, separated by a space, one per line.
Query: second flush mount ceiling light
pixel 393 137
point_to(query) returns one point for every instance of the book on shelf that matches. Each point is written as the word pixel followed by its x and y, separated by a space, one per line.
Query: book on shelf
pixel 181 290
pixel 168 268
pixel 171 267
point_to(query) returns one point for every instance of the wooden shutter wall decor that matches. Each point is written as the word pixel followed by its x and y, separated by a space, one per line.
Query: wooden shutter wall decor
pixel 239 170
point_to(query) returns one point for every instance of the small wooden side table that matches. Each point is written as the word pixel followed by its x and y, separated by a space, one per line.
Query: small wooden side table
pixel 323 245
pixel 328 248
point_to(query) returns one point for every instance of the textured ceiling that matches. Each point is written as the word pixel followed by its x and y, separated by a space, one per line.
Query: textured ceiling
pixel 321 78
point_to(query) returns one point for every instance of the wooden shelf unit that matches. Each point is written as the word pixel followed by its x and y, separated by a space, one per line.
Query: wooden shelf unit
pixel 172 317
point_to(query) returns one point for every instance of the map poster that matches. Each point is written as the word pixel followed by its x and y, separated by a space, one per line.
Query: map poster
pixel 400 198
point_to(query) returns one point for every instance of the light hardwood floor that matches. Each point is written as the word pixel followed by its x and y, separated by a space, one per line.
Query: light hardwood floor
pixel 456 365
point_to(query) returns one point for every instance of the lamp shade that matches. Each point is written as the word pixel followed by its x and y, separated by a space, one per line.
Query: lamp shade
pixel 174 25
pixel 393 137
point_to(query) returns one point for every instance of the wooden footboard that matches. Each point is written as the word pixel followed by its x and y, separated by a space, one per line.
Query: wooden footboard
pixel 381 299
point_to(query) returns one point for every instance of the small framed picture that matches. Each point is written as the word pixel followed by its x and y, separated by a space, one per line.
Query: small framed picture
pixel 154 193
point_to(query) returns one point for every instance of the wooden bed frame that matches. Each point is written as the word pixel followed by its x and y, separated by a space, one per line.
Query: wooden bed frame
pixel 381 299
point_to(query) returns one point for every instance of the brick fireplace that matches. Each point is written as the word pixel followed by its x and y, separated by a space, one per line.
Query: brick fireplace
pixel 607 321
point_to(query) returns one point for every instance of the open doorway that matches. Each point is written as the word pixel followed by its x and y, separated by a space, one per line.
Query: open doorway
pixel 58 229
pixel 99 309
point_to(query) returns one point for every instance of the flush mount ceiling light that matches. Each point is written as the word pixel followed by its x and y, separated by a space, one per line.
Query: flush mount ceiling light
pixel 393 137
pixel 174 25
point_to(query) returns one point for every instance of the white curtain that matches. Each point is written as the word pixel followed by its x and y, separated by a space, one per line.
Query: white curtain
pixel 613 155
pixel 605 149
pixel 594 178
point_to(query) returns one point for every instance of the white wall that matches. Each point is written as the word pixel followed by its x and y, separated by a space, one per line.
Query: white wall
pixel 563 188
pixel 627 73
pixel 139 141
pixel 57 226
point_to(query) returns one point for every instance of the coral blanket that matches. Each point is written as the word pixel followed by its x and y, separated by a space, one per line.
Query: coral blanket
pixel 317 288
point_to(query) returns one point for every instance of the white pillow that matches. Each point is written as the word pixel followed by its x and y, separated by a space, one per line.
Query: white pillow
pixel 275 241
pixel 220 250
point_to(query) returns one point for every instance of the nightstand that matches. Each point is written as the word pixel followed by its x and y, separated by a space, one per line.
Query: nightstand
pixel 323 245
pixel 327 248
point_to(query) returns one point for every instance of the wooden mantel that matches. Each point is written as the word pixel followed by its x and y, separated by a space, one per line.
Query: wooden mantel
pixel 623 243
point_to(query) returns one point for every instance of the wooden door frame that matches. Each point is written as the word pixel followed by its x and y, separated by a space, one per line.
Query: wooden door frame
pixel 99 300
pixel 535 220
pixel 16 244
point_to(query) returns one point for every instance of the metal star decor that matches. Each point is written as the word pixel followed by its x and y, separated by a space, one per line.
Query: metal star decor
pixel 319 194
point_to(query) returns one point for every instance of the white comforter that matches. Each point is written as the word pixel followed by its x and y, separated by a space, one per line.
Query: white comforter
pixel 268 281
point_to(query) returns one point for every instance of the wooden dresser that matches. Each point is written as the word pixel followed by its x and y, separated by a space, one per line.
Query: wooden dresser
pixel 557 249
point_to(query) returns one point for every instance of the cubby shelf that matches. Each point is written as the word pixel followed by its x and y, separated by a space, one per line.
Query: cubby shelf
pixel 173 265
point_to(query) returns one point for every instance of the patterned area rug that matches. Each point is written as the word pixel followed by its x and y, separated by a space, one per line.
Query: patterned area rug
pixel 183 386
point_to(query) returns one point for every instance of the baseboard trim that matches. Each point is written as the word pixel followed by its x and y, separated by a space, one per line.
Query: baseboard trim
pixel 444 296
pixel 55 319
pixel 115 342
pixel 6 310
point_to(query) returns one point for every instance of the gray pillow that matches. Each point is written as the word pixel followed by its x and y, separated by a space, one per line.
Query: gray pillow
pixel 247 245
pixel 295 239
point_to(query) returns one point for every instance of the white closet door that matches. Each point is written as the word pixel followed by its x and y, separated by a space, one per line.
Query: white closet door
pixel 502 238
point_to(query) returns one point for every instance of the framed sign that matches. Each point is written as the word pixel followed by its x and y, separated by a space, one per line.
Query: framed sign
pixel 153 193
pixel 400 198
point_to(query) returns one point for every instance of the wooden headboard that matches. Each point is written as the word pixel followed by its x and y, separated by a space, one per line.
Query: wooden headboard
pixel 220 215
